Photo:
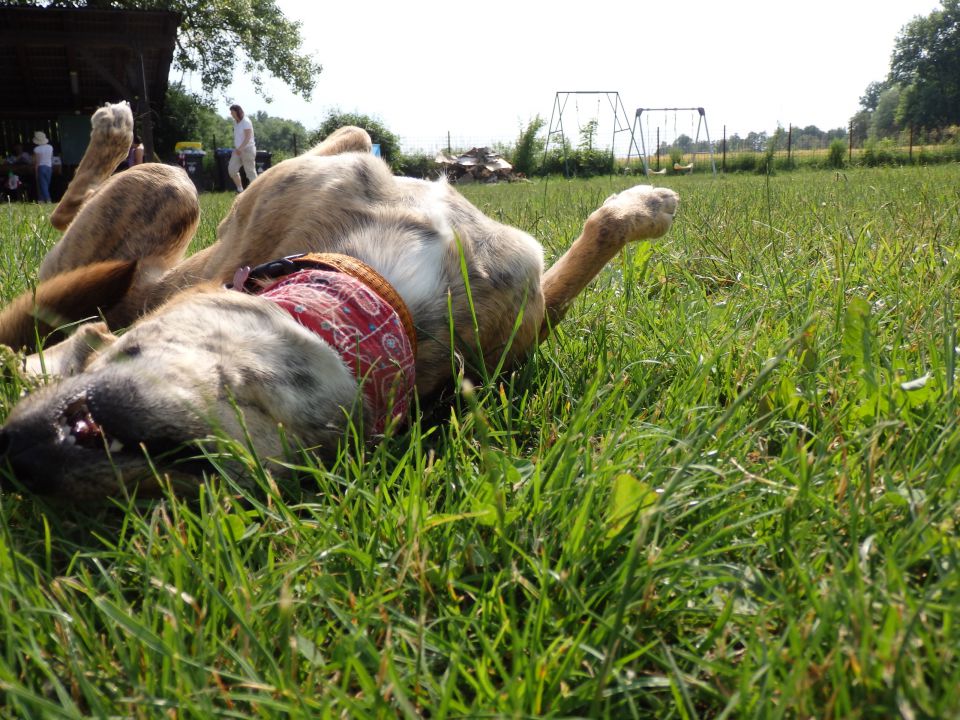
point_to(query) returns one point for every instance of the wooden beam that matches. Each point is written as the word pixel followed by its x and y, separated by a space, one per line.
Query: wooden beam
pixel 105 73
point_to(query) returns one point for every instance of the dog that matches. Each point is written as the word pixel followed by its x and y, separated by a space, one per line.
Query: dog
pixel 216 343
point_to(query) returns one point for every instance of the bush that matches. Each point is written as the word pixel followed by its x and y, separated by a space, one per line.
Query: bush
pixel 417 165
pixel 529 148
pixel 389 143
pixel 837 153
pixel 879 152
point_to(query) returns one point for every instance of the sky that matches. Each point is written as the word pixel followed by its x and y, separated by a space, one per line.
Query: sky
pixel 482 71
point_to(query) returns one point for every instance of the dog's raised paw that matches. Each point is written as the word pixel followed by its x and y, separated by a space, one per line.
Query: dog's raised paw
pixel 112 124
pixel 640 212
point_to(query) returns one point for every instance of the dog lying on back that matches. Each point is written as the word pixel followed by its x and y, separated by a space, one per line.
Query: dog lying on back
pixel 234 339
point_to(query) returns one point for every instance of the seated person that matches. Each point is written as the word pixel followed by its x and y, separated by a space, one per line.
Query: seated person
pixel 19 156
pixel 13 188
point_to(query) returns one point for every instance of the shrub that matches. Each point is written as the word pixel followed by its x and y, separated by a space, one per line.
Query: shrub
pixel 529 148
pixel 389 143
pixel 417 165
pixel 836 153
pixel 879 152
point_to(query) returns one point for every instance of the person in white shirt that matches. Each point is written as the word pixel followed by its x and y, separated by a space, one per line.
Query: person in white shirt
pixel 42 165
pixel 244 148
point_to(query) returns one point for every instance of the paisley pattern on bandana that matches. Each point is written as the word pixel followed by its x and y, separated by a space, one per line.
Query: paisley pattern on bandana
pixel 362 327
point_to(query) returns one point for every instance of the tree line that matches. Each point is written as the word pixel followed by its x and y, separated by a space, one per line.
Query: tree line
pixel 921 93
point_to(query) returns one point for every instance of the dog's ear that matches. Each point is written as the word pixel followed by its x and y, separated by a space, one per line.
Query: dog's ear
pixel 76 295
pixel 72 356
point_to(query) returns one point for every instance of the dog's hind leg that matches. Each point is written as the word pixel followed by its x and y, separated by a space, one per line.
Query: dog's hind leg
pixel 147 214
pixel 111 134
pixel 635 214
pixel 345 139
pixel 70 296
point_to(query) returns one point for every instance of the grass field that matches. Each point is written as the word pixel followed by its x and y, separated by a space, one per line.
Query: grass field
pixel 727 487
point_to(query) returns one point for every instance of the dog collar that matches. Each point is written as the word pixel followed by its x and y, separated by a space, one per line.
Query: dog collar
pixel 254 279
pixel 360 326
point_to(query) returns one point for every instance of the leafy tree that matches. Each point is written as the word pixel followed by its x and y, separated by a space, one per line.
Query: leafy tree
pixel 188 116
pixel 883 121
pixel 684 143
pixel 529 148
pixel 860 126
pixel 926 63
pixel 389 143
pixel 282 137
pixel 214 37
pixel 871 96
pixel 587 134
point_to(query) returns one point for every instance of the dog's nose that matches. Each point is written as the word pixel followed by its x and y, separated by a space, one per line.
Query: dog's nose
pixel 26 461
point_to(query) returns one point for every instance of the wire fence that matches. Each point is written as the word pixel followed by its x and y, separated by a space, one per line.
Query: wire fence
pixel 665 151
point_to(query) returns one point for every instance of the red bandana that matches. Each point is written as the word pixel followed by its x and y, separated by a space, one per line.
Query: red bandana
pixel 361 326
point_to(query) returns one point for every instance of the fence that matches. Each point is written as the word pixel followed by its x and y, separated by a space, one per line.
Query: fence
pixel 785 148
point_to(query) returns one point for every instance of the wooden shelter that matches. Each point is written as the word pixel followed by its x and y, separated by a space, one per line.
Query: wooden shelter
pixel 58 65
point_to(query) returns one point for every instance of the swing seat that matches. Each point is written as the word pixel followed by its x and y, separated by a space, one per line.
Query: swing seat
pixel 677 167
pixel 661 171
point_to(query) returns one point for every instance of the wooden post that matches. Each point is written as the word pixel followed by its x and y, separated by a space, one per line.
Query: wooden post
pixel 723 158
pixel 658 148
pixel 789 142
pixel 850 138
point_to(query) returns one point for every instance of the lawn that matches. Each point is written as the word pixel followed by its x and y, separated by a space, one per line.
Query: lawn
pixel 728 486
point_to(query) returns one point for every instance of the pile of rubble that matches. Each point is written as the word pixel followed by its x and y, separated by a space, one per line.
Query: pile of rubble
pixel 475 165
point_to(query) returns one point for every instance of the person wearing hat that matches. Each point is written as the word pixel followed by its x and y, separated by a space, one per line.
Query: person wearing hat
pixel 42 165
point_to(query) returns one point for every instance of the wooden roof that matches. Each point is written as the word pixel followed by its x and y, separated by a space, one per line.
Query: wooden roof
pixel 58 61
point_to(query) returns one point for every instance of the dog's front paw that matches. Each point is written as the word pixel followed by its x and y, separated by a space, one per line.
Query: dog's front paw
pixel 112 126
pixel 640 212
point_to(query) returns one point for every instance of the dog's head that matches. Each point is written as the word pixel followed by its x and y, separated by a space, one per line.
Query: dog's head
pixel 210 362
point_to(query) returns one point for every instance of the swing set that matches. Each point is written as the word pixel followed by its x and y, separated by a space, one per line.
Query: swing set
pixel 621 123
pixel 679 166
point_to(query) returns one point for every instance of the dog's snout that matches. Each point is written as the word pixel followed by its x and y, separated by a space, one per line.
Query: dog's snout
pixel 26 456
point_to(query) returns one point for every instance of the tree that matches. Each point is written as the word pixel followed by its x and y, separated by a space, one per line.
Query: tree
pixel 389 143
pixel 926 64
pixel 528 148
pixel 871 96
pixel 587 133
pixel 282 137
pixel 883 121
pixel 214 37
pixel 187 116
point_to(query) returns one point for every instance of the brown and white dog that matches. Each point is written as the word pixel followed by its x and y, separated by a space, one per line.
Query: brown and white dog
pixel 197 357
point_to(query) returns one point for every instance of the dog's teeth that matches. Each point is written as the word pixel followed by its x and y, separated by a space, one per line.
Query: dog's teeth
pixel 115 446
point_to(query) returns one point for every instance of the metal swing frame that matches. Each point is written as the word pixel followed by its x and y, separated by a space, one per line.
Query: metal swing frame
pixel 560 101
pixel 702 123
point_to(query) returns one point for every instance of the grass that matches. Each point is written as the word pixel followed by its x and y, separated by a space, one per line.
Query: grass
pixel 727 487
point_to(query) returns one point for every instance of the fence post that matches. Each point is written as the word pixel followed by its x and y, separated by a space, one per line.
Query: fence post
pixel 850 138
pixel 723 159
pixel 789 142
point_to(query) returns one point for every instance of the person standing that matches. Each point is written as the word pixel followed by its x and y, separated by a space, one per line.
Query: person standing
pixel 135 154
pixel 244 148
pixel 42 165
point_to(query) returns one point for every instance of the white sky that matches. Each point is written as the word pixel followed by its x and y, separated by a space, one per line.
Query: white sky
pixel 483 70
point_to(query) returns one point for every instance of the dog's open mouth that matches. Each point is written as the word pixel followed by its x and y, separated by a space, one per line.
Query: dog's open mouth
pixel 78 427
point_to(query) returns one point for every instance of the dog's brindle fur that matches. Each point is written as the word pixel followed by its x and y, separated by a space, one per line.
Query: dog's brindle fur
pixel 196 353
